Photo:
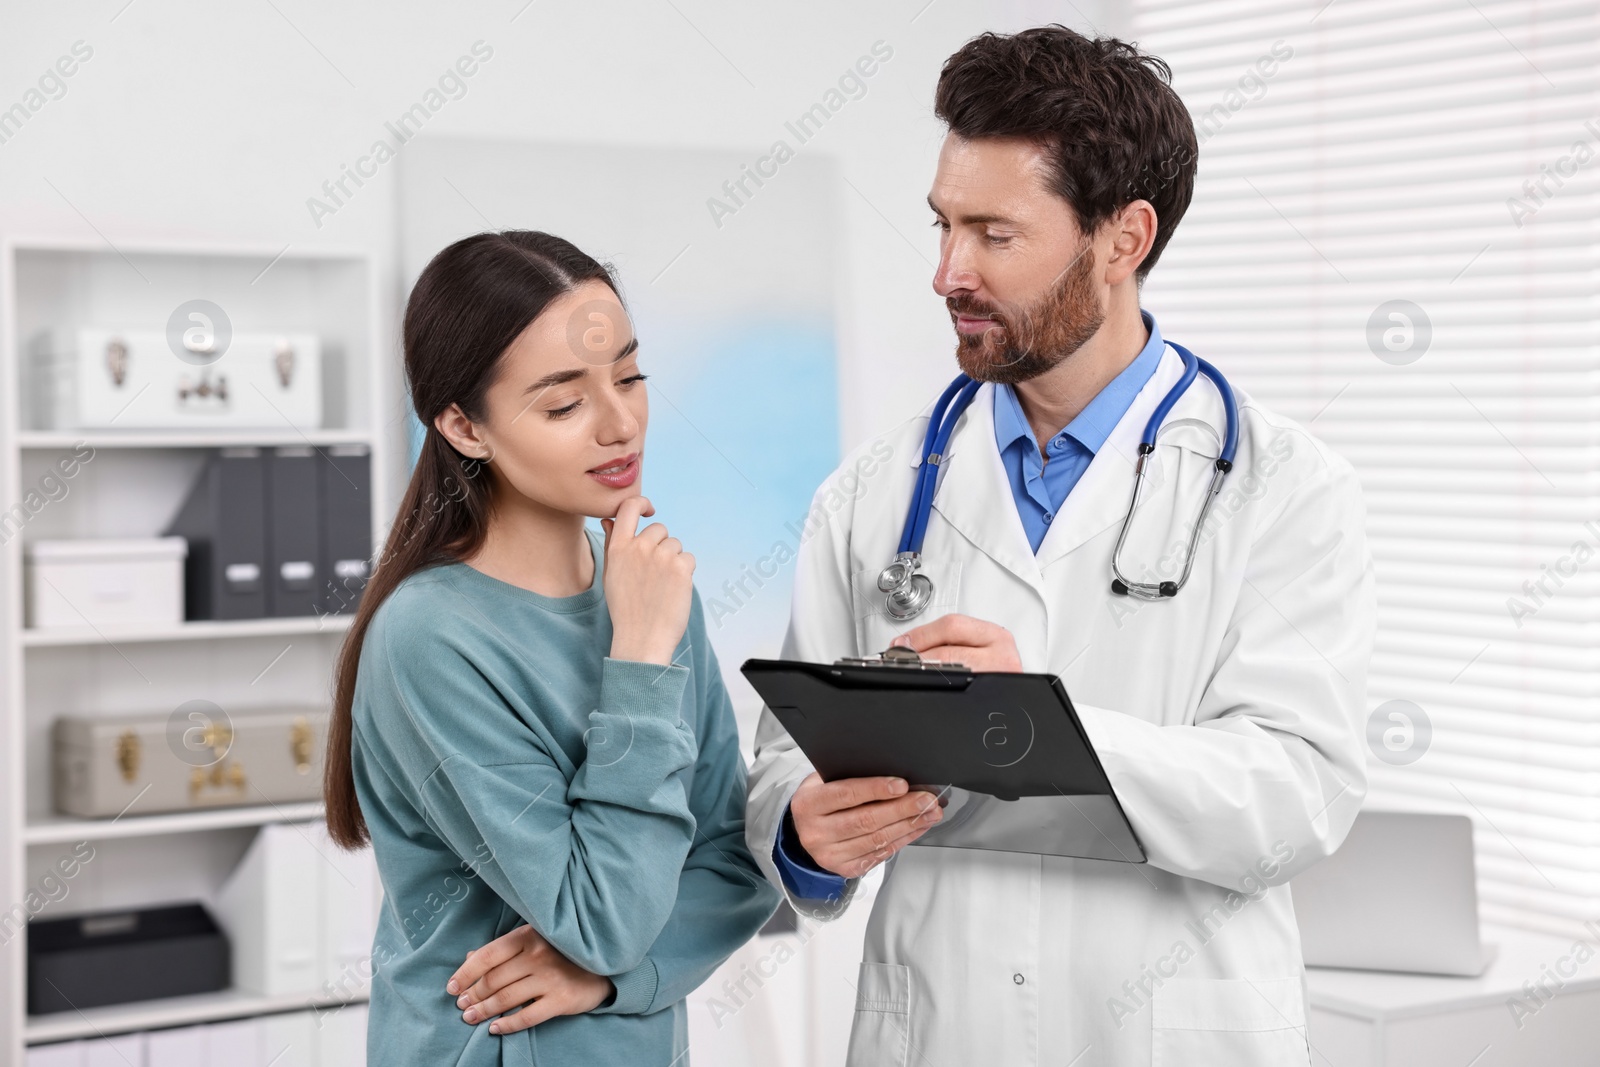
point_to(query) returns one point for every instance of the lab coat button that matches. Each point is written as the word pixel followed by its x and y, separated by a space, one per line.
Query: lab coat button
pixel 1017 978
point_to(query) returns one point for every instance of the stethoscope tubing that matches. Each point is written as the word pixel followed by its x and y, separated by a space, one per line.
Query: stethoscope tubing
pixel 934 443
pixel 1193 365
pixel 954 401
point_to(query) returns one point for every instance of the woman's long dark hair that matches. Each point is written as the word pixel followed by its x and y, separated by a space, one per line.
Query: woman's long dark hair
pixel 469 305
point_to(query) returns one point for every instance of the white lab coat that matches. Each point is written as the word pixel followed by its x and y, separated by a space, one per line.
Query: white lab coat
pixel 1229 721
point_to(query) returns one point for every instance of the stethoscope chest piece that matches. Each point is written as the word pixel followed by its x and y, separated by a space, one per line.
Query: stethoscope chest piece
pixel 909 590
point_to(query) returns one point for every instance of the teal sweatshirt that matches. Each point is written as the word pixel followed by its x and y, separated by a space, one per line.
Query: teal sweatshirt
pixel 511 772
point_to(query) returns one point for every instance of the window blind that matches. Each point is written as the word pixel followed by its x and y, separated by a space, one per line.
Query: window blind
pixel 1395 238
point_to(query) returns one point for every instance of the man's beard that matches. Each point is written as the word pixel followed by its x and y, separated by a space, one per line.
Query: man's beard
pixel 1036 339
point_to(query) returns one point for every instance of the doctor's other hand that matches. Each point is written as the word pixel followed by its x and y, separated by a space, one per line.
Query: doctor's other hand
pixel 983 646
pixel 851 825
pixel 648 585
pixel 518 968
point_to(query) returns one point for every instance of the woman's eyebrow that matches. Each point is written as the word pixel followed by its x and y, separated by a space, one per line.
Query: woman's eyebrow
pixel 561 377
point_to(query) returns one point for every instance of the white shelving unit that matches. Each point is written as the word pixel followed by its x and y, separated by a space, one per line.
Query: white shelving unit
pixel 157 1014
pixel 130 488
pixel 53 440
pixel 188 631
pixel 64 830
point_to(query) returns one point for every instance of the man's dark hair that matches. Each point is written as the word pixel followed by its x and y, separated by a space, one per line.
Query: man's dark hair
pixel 1115 129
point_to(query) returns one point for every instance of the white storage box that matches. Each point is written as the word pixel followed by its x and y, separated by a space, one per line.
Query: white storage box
pixel 100 582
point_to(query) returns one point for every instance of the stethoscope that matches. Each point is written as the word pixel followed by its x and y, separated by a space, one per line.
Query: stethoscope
pixel 907 591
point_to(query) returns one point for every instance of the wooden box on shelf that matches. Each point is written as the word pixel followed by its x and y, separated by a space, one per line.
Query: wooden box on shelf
pixel 200 756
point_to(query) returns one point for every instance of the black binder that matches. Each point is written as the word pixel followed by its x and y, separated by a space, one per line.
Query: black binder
pixel 224 521
pixel 345 507
pixel 294 551
pixel 1005 750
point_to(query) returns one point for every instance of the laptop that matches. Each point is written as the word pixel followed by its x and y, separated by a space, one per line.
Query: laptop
pixel 1400 894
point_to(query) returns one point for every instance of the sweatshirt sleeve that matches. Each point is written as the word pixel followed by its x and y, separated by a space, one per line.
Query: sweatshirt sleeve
pixel 589 864
pixel 723 900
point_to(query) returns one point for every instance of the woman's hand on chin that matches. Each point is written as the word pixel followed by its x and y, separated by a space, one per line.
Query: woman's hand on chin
pixel 522 968
pixel 648 585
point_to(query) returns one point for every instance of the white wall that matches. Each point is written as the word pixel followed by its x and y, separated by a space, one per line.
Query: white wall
pixel 217 122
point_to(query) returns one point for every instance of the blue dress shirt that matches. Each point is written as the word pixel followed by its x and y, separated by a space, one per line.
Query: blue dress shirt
pixel 1039 489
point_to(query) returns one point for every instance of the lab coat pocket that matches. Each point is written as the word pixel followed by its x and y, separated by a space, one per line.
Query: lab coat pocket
pixel 880 1036
pixel 875 627
pixel 1228 1022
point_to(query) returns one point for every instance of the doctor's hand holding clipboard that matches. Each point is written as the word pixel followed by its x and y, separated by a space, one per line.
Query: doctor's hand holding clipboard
pixel 1190 566
pixel 849 826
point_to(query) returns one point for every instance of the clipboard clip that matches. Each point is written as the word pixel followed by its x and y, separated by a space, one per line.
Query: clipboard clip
pixel 899 657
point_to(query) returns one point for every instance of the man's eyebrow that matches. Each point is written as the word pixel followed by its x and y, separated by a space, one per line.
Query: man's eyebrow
pixel 973 220
pixel 561 377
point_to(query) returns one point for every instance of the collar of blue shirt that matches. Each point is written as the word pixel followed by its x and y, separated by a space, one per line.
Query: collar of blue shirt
pixel 1099 417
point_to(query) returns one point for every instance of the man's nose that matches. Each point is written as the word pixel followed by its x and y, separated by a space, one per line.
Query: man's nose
pixel 953 275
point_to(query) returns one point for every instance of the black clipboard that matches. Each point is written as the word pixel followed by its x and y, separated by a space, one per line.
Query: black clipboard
pixel 1005 749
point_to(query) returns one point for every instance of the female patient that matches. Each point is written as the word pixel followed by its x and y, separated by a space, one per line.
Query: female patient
pixel 529 723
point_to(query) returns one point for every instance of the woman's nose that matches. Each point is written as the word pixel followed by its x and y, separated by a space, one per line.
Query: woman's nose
pixel 619 423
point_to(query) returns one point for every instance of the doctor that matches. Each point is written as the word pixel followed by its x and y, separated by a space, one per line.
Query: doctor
pixel 1228 717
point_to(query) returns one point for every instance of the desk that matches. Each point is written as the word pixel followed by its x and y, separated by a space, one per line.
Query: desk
pixel 1379 1019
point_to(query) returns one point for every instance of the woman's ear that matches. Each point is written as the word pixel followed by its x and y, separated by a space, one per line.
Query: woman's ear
pixel 463 433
